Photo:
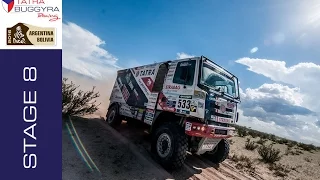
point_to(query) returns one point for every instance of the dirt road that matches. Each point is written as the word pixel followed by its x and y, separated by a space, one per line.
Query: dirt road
pixel 94 150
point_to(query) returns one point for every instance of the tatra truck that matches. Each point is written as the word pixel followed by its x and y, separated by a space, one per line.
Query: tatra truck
pixel 188 104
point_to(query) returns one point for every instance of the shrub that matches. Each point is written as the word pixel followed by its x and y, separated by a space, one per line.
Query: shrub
pixel 242 162
pixel 250 145
pixel 261 141
pixel 279 169
pixel 308 159
pixel 77 102
pixel 307 147
pixel 269 154
pixel 242 132
pixel 272 137
pixel 282 141
pixel 230 141
pixel 253 133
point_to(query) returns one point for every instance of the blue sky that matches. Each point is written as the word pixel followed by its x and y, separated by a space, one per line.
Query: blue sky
pixel 149 31
pixel 140 32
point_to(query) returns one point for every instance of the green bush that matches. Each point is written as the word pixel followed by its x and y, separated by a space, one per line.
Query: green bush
pixel 77 102
pixel 269 154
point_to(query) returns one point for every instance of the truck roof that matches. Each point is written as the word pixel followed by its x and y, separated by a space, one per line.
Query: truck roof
pixel 168 61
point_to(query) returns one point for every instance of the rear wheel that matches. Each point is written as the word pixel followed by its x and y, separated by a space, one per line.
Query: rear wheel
pixel 113 117
pixel 219 153
pixel 169 145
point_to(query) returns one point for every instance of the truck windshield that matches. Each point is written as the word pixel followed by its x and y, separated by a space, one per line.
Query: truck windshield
pixel 219 80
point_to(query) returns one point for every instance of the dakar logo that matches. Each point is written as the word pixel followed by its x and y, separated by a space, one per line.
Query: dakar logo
pixel 19 36
pixel 25 34
pixel 7 5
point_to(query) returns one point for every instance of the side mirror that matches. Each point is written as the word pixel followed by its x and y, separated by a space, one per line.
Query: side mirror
pixel 237 118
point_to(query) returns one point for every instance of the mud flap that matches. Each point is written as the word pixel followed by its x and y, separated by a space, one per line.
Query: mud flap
pixel 207 144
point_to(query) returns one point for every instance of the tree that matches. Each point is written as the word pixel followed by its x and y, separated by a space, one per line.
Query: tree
pixel 77 102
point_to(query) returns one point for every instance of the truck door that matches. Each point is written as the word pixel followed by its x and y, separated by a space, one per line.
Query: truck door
pixel 178 88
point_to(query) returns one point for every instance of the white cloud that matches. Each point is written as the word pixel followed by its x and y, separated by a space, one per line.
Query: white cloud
pixel 294 110
pixel 304 76
pixel 253 50
pixel 83 52
pixel 183 55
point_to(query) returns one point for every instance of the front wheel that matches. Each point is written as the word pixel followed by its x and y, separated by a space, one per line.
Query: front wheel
pixel 113 117
pixel 219 153
pixel 169 144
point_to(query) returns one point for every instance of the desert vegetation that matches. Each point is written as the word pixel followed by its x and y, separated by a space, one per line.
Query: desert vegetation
pixel 257 152
pixel 76 102
pixel 250 145
pixel 269 154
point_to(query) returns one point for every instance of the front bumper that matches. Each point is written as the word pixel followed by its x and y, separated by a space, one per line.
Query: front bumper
pixel 208 131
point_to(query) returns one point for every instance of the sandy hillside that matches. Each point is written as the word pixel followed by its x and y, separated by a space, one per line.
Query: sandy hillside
pixel 295 162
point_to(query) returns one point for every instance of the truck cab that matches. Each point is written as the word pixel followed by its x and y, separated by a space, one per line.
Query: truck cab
pixel 190 104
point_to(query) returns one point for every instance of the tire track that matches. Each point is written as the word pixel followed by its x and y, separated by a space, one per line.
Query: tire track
pixel 210 168
pixel 227 170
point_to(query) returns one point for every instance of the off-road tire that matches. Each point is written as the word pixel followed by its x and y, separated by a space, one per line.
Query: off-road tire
pixel 113 113
pixel 220 154
pixel 178 151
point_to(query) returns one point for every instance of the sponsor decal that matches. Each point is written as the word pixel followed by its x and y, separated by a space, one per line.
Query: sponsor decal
pixel 117 97
pixel 193 108
pixel 140 114
pixel 38 7
pixel 188 126
pixel 147 72
pixel 222 120
pixel 125 93
pixel 182 111
pixel 172 87
pixel 26 34
pixel 144 89
pixel 199 94
pixel 120 82
pixel 171 104
pixel 200 105
pixel 162 101
pixel 230 105
pixel 222 108
pixel 149 116
pixel 183 64
pixel 148 82
pixel 171 71
pixel 185 96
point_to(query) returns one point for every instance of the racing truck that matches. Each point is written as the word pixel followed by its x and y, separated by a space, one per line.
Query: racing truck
pixel 189 105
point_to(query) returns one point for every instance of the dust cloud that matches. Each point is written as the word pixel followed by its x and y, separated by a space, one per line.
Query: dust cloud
pixel 104 87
